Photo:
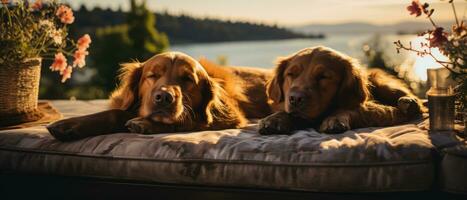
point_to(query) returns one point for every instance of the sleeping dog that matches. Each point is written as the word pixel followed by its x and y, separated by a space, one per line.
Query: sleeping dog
pixel 324 89
pixel 172 92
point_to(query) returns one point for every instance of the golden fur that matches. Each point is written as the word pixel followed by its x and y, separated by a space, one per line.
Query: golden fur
pixel 337 95
pixel 207 96
pixel 335 92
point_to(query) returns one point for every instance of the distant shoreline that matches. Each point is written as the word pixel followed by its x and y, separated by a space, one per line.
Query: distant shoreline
pixel 184 29
pixel 174 42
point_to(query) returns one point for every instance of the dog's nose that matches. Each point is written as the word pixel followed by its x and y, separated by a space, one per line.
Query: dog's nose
pixel 296 99
pixel 163 98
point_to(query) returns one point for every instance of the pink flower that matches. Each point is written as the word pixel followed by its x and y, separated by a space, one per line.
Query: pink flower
pixel 415 8
pixel 438 37
pixel 80 56
pixel 66 74
pixel 65 14
pixel 37 5
pixel 83 42
pixel 59 63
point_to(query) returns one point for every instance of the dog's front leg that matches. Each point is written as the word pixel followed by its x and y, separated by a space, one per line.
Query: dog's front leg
pixel 75 128
pixel 282 123
pixel 373 114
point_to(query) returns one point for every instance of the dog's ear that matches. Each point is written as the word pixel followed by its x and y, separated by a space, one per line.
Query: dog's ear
pixel 354 89
pixel 209 91
pixel 274 86
pixel 218 110
pixel 125 97
pixel 218 90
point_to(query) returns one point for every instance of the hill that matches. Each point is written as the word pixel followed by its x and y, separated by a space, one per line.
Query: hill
pixel 361 27
pixel 186 29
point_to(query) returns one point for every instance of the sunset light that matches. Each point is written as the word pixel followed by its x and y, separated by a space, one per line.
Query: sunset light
pixel 233 99
pixel 422 63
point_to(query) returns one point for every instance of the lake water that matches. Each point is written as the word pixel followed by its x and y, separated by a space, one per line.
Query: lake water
pixel 264 53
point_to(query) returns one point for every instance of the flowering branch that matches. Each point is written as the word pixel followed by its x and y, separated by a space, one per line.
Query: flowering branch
pixel 453 45
pixel 425 52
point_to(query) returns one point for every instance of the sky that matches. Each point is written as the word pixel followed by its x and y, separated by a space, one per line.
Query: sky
pixel 291 12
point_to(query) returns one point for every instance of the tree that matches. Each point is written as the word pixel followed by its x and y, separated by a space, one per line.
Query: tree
pixel 145 39
pixel 138 39
pixel 111 48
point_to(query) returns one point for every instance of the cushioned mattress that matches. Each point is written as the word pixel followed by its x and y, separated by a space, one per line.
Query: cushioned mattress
pixel 373 159
pixel 454 169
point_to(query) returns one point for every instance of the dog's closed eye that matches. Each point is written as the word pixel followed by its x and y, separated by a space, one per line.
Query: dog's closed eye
pixel 291 74
pixel 322 77
pixel 153 76
pixel 187 79
pixel 293 71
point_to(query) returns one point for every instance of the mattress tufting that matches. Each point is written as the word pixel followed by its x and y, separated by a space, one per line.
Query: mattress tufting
pixel 373 159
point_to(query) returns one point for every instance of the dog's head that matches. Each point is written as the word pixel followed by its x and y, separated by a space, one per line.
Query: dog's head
pixel 317 80
pixel 169 88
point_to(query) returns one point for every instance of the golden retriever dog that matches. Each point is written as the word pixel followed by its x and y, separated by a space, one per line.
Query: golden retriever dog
pixel 322 88
pixel 172 92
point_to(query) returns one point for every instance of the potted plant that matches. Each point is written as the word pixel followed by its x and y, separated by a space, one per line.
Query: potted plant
pixel 32 32
pixel 452 44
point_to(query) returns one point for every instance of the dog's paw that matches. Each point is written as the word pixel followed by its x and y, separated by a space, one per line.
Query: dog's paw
pixel 409 106
pixel 335 124
pixel 64 130
pixel 277 123
pixel 138 125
